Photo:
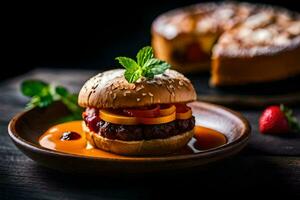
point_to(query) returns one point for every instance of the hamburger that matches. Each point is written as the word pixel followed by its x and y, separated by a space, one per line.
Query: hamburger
pixel 144 115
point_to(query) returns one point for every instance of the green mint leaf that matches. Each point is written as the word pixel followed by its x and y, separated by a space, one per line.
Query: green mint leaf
pixel 73 98
pixel 156 66
pixel 144 55
pixel 35 101
pixel 132 75
pixel 151 62
pixel 148 74
pixel 133 71
pixel 45 101
pixel 31 88
pixel 147 68
pixel 43 94
pixel 160 69
pixel 146 65
pixel 127 63
pixel 40 101
pixel 71 102
pixel 61 91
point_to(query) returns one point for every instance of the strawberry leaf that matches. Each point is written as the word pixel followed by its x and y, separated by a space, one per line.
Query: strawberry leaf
pixel 292 120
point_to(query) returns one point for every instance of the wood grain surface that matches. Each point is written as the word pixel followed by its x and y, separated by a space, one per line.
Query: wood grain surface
pixel 268 166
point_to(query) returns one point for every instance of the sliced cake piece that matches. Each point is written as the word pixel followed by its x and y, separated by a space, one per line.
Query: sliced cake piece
pixel 266 47
pixel 185 37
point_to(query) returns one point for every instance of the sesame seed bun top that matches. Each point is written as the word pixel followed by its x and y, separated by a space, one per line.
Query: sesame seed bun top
pixel 110 89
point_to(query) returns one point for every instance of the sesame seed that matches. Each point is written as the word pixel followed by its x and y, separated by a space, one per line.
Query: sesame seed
pixel 114 95
pixel 169 89
pixel 138 99
pixel 139 88
pixel 132 86
pixel 116 85
pixel 144 94
pixel 150 94
pixel 180 83
pixel 126 92
pixel 95 86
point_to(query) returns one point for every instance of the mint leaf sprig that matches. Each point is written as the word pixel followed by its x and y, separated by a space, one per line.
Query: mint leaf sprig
pixel 43 94
pixel 145 65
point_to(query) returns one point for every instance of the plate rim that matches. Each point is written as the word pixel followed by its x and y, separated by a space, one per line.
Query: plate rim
pixel 241 141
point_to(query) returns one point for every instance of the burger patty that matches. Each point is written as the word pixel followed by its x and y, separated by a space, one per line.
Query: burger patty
pixel 139 132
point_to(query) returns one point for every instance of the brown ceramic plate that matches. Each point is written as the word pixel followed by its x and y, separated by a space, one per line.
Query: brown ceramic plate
pixel 25 129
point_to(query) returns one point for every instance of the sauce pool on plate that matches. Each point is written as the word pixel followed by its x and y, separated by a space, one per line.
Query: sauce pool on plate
pixel 70 138
pixel 208 138
pixel 53 139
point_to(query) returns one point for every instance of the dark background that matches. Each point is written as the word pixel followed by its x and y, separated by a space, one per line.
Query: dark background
pixel 77 35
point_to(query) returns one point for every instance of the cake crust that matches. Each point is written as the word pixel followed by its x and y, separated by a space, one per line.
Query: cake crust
pixel 253 42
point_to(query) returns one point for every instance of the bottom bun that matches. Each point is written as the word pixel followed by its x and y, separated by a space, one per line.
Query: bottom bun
pixel 142 147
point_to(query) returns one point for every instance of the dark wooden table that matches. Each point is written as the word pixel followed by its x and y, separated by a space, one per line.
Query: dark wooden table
pixel 268 166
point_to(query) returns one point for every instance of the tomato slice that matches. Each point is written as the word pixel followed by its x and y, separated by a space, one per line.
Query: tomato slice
pixel 158 120
pixel 166 109
pixel 157 114
pixel 183 111
pixel 114 118
pixel 185 115
pixel 152 111
pixel 181 108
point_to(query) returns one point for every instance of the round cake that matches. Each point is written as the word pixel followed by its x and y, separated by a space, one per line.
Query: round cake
pixel 240 43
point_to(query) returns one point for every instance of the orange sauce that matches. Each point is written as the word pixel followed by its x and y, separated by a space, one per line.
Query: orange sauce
pixel 51 139
pixel 208 138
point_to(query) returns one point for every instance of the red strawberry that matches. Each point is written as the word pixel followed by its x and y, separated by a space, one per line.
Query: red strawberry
pixel 277 120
